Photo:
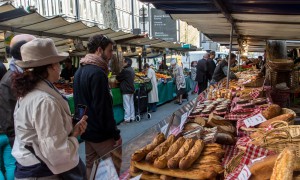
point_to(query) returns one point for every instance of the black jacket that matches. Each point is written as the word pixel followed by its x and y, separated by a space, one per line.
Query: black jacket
pixel 126 79
pixel 7 106
pixel 219 73
pixel 201 71
pixel 68 73
pixel 91 89
pixel 211 66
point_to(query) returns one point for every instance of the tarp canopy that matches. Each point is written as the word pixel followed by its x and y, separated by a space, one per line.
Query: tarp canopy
pixel 64 32
pixel 254 22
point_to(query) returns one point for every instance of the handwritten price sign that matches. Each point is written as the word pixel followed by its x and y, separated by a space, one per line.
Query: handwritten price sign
pixel 254 120
pixel 245 173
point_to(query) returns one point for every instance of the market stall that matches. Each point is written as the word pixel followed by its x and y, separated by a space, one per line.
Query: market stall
pixel 221 134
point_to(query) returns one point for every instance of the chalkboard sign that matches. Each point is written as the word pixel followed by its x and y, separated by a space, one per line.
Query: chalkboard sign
pixel 163 26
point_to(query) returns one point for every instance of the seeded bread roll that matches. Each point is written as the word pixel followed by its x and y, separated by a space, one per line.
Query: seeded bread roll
pixel 141 153
pixel 162 161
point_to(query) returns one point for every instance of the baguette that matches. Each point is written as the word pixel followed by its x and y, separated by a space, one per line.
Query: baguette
pixel 263 169
pixel 217 168
pixel 297 164
pixel 208 158
pixel 183 151
pixel 199 174
pixel 187 161
pixel 162 161
pixel 283 117
pixel 165 177
pixel 283 168
pixel 141 153
pixel 215 145
pixel 272 111
pixel 160 149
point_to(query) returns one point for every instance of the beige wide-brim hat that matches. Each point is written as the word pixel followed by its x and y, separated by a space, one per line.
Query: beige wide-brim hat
pixel 40 52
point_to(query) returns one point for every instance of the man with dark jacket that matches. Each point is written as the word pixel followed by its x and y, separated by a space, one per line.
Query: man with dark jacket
pixel 222 69
pixel 211 65
pixel 8 102
pixel 126 79
pixel 201 76
pixel 2 70
pixel 91 88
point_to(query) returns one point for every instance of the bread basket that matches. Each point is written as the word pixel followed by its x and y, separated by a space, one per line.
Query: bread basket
pixel 281 64
pixel 276 124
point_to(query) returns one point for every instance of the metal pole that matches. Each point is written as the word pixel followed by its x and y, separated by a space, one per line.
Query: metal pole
pixel 239 61
pixel 229 57
pixel 132 17
pixel 149 20
pixel 77 9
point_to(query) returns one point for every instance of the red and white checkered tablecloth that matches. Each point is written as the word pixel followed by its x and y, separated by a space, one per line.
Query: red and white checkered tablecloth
pixel 255 93
pixel 230 152
pixel 252 152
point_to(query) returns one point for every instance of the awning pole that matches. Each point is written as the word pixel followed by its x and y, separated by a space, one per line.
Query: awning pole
pixel 229 58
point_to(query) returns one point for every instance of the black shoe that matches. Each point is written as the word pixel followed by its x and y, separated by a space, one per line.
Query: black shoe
pixel 180 103
pixel 176 102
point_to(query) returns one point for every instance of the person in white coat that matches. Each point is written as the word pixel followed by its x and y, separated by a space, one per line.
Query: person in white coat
pixel 153 94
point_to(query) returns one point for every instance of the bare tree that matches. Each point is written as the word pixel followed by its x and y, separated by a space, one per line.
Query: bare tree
pixel 109 14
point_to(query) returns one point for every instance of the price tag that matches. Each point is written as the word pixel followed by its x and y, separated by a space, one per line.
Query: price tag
pixel 244 174
pixel 183 120
pixel 106 170
pixel 137 177
pixel 164 129
pixel 257 159
pixel 254 120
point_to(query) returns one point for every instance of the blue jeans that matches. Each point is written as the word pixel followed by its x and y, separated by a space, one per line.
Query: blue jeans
pixel 7 161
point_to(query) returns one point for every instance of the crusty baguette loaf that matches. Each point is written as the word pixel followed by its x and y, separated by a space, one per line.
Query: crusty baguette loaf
pixel 194 153
pixel 263 169
pixel 225 138
pixel 283 117
pixel 297 164
pixel 141 153
pixel 160 149
pixel 283 168
pixel 162 161
pixel 199 174
pixel 272 111
pixel 165 177
pixel 215 145
pixel 149 176
pixel 183 151
pixel 221 124
pixel 217 168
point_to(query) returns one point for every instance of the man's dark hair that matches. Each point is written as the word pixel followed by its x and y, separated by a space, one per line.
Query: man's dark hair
pixel 97 41
pixel 128 61
pixel 232 56
pixel 146 65
pixel 15 50
pixel 69 60
pixel 212 52
pixel 260 57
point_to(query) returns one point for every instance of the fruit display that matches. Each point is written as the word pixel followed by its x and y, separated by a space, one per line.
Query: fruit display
pixel 159 75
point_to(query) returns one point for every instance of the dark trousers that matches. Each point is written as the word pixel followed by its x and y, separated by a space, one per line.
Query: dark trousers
pixel 201 86
pixel 152 107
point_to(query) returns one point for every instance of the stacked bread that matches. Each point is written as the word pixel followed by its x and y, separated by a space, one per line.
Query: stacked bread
pixel 177 158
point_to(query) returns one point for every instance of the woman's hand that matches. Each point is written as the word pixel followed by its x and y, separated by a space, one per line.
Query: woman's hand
pixel 80 127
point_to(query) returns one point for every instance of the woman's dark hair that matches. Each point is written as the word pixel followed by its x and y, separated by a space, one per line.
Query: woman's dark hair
pixel 232 56
pixel 15 50
pixel 97 41
pixel 25 82
pixel 128 61
pixel 146 65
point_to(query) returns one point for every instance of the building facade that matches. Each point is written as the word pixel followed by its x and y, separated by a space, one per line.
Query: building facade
pixel 89 11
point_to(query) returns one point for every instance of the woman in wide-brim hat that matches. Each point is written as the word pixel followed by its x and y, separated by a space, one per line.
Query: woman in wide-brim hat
pixel 45 145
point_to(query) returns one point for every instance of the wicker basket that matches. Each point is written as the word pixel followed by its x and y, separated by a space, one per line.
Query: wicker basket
pixel 272 141
pixel 257 83
pixel 233 163
pixel 275 124
pixel 281 64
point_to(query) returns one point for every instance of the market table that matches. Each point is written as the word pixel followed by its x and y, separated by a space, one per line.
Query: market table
pixel 166 92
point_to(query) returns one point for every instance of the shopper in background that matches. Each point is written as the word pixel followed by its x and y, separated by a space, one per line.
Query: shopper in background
pixel 2 70
pixel 7 106
pixel 91 88
pixel 179 81
pixel 211 65
pixel 222 69
pixel 193 76
pixel 69 70
pixel 201 76
pixel 126 79
pixel 46 143
pixel 162 66
pixel 153 94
